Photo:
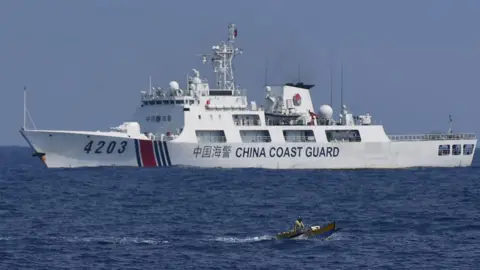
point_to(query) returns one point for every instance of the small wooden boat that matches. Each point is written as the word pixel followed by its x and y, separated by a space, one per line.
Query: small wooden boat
pixel 318 231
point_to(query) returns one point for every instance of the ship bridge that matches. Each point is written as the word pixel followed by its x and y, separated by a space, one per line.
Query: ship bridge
pixel 162 111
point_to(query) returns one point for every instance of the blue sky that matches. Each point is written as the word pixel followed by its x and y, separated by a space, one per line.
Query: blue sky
pixel 408 63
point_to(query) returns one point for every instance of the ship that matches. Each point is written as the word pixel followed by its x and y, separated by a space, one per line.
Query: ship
pixel 218 127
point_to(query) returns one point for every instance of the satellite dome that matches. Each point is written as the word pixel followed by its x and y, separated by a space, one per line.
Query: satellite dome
pixel 326 112
pixel 174 85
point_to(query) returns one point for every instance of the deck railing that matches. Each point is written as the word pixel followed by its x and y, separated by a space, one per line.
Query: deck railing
pixel 294 139
pixel 418 137
pixel 433 137
pixel 223 139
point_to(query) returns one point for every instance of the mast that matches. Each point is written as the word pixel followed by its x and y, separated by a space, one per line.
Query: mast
pixel 222 60
pixel 24 107
pixel 266 72
pixel 341 88
pixel 331 87
pixel 449 124
pixel 150 85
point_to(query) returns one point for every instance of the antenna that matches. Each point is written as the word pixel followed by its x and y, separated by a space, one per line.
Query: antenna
pixel 331 86
pixel 341 88
pixel 450 124
pixel 150 91
pixel 24 107
pixel 266 72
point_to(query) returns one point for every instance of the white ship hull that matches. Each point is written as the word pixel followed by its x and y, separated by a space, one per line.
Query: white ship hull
pixel 60 149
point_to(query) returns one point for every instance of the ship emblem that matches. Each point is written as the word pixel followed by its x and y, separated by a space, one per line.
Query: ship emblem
pixel 297 100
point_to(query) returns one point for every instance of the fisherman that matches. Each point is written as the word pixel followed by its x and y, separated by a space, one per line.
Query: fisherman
pixel 298 224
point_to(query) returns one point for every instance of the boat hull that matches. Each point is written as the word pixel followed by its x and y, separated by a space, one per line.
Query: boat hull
pixel 314 231
pixel 90 149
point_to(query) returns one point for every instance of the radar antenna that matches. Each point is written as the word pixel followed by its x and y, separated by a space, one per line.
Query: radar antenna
pixel 222 60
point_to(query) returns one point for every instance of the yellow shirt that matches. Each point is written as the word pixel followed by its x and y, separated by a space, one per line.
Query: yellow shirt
pixel 298 224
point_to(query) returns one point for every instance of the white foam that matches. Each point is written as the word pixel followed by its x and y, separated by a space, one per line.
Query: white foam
pixel 113 240
pixel 244 240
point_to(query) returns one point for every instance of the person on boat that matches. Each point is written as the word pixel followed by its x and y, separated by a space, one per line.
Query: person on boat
pixel 298 224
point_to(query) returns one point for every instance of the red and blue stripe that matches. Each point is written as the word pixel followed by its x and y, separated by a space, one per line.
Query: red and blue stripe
pixel 152 153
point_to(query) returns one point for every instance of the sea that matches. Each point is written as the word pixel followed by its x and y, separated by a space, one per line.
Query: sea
pixel 191 218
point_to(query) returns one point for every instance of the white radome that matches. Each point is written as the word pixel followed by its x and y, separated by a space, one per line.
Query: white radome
pixel 174 85
pixel 326 112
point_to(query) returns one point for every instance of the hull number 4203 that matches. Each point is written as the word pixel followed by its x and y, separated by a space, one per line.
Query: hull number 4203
pixel 100 148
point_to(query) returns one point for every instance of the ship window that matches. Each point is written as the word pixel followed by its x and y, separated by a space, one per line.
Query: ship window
pixel 210 136
pixel 456 149
pixel 158 102
pixel 164 118
pixel 179 102
pixel 169 118
pixel 343 135
pixel 190 102
pixel 444 150
pixel 246 119
pixel 468 149
pixel 199 116
pixel 158 118
pixel 255 136
pixel 148 118
pixel 299 136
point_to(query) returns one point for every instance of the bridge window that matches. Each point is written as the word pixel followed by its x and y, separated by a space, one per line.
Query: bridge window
pixel 299 136
pixel 444 150
pixel 456 149
pixel 468 149
pixel 254 136
pixel 343 135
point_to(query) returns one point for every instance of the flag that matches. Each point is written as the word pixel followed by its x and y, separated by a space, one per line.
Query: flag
pixel 235 32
